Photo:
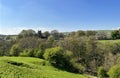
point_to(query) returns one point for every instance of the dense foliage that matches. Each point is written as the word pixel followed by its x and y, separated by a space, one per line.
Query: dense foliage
pixel 116 34
pixel 79 52
pixel 102 73
pixel 55 56
pixel 114 71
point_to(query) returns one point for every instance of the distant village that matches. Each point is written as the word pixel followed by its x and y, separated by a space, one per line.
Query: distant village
pixel 6 37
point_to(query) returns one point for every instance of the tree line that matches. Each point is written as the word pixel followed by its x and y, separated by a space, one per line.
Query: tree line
pixel 78 52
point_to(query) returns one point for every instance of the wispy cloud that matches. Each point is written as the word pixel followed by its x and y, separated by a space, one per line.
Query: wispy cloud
pixel 116 28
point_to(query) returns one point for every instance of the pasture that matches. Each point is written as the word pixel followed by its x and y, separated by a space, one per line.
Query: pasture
pixel 28 67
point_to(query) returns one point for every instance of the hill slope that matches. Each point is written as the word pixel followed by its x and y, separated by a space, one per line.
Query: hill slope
pixel 27 67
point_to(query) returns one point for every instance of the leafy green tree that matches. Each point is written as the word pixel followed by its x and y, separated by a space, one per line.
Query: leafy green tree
pixel 55 56
pixel 31 53
pixel 27 53
pixel 40 51
pixel 15 50
pixel 115 34
pixel 46 34
pixel 72 34
pixel 115 48
pixel 93 55
pixel 24 53
pixel 5 47
pixel 114 71
pixel 55 34
pixel 28 43
pixel 102 72
pixel 90 33
pixel 103 35
pixel 26 33
pixel 80 33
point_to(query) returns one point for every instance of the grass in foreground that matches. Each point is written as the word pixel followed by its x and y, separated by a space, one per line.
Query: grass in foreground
pixel 27 67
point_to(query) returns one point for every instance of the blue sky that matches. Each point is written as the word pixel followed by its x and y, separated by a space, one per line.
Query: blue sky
pixel 63 15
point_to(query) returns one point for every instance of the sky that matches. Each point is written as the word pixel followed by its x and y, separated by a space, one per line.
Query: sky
pixel 62 15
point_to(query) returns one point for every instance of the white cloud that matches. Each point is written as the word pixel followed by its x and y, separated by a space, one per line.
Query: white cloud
pixel 116 28
pixel 17 30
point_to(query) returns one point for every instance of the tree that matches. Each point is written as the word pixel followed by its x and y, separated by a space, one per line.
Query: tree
pixel 72 34
pixel 27 53
pixel 40 51
pixel 103 36
pixel 28 43
pixel 90 33
pixel 80 33
pixel 115 48
pixel 115 34
pixel 114 71
pixel 26 33
pixel 55 34
pixel 55 56
pixel 15 50
pixel 5 47
pixel 93 55
pixel 101 72
pixel 46 34
pixel 61 35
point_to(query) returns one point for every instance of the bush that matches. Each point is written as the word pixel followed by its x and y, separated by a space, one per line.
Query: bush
pixel 24 53
pixel 15 50
pixel 115 48
pixel 114 71
pixel 115 34
pixel 76 67
pixel 39 52
pixel 79 68
pixel 55 56
pixel 101 72
pixel 27 53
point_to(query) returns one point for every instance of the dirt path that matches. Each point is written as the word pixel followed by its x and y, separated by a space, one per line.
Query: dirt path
pixel 89 76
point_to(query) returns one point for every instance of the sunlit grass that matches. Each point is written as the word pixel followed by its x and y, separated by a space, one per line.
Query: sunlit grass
pixel 109 41
pixel 31 68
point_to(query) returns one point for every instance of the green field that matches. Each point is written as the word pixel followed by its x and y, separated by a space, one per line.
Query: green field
pixel 27 67
pixel 109 41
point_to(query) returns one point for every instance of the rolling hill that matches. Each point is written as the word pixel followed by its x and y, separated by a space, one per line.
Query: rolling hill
pixel 27 67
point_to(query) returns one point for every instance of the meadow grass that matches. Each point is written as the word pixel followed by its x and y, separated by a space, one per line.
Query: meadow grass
pixel 109 41
pixel 28 67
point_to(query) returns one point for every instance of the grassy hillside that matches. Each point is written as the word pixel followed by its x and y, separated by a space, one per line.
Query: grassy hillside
pixel 106 31
pixel 109 41
pixel 27 67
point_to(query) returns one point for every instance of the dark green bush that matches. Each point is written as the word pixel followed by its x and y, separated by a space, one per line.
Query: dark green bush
pixel 27 53
pixel 101 72
pixel 24 53
pixel 78 68
pixel 114 71
pixel 15 50
pixel 40 51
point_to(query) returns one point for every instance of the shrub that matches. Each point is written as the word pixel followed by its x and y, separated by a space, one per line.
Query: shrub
pixel 55 56
pixel 115 34
pixel 27 53
pixel 31 53
pixel 101 72
pixel 76 67
pixel 40 51
pixel 24 53
pixel 79 68
pixel 114 71
pixel 115 48
pixel 15 50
